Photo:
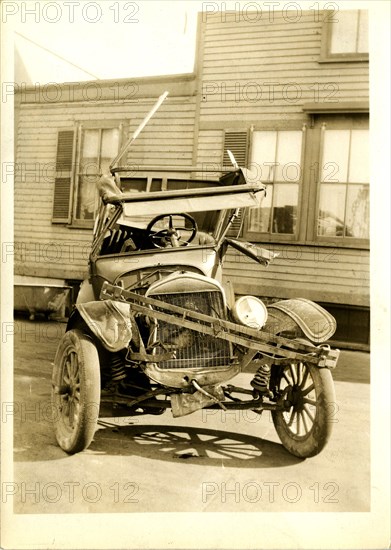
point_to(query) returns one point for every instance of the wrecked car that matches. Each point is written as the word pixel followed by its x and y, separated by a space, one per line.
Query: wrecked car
pixel 154 327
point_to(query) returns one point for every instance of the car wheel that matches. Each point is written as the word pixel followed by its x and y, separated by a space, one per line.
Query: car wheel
pixel 305 426
pixel 75 391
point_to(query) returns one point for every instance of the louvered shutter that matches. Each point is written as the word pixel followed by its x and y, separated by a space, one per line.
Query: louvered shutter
pixel 63 180
pixel 237 143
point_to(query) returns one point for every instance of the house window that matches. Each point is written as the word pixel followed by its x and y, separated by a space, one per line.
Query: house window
pixel 276 156
pixel 98 147
pixel 343 208
pixel 345 36
pixel 82 157
pixel 317 183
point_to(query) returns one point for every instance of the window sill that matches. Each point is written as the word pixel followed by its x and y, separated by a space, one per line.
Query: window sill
pixel 265 239
pixel 321 107
pixel 80 225
pixel 341 58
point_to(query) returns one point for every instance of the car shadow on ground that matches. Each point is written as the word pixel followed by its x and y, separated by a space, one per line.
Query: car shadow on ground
pixel 201 446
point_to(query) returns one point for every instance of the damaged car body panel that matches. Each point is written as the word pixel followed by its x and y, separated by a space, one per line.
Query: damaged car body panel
pixel 317 324
pixel 109 321
pixel 154 327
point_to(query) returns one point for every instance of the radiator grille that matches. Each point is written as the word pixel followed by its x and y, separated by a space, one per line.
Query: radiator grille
pixel 193 349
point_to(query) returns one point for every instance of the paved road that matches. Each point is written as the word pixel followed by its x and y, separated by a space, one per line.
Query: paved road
pixel 208 461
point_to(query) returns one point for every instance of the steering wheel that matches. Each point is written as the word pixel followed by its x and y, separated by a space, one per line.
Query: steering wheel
pixel 171 235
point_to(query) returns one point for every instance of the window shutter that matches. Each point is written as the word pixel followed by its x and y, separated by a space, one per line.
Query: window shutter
pixel 236 227
pixel 237 143
pixel 63 179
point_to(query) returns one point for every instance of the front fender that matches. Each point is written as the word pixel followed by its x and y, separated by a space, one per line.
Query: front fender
pixel 109 321
pixel 314 321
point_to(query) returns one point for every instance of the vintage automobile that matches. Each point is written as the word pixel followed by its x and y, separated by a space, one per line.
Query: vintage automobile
pixel 155 327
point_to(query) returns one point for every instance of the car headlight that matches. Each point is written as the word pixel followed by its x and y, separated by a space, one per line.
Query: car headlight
pixel 250 311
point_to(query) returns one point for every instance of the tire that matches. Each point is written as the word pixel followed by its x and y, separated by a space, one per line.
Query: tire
pixel 75 391
pixel 303 431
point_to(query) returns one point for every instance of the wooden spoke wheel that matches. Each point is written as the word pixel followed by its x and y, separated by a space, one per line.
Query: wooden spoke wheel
pixel 305 425
pixel 75 391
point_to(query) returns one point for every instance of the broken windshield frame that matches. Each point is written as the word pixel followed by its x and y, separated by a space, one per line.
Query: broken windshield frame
pixel 127 207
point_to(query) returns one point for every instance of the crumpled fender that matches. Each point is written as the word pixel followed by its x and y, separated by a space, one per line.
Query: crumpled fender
pixel 316 323
pixel 109 321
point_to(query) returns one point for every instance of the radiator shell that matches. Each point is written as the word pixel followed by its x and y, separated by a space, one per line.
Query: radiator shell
pixel 199 356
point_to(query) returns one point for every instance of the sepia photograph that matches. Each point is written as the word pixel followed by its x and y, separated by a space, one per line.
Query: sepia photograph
pixel 195 274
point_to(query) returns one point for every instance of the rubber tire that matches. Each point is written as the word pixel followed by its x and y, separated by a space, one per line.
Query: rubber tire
pixel 78 438
pixel 316 439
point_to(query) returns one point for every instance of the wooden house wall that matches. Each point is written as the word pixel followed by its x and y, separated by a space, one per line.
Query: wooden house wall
pixel 254 71
pixel 238 63
pixel 323 274
pixel 241 61
pixel 44 249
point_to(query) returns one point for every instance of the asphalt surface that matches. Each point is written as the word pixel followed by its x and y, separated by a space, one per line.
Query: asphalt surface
pixel 208 461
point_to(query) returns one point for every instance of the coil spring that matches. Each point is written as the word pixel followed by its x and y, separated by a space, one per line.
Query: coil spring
pixel 118 371
pixel 261 379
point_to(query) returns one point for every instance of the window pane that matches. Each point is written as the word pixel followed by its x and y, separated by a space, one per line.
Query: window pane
pixel 90 152
pixel 264 151
pixel 362 46
pixel 105 164
pixel 285 209
pixel 98 148
pixel 87 202
pixel 259 218
pixel 344 32
pixel 283 150
pixel 288 156
pixel 359 157
pixel 110 141
pixel 331 210
pixel 110 145
pixel 335 155
pixel 357 215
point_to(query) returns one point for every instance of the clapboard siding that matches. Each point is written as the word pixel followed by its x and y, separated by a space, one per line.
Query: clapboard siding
pixel 270 51
pixel 336 276
pixel 44 249
pixel 240 61
pixel 96 114
pixel 271 55
pixel 210 147
pixel 217 42
pixel 253 28
pixel 237 56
